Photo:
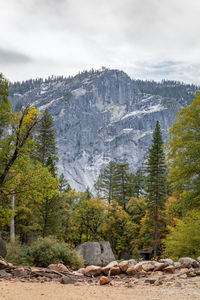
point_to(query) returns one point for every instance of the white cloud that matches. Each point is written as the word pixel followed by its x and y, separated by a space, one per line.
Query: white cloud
pixel 147 38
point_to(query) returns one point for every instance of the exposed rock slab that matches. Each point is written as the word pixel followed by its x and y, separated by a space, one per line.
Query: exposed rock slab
pixel 96 253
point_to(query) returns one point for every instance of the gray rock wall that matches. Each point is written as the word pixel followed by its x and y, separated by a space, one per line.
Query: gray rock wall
pixel 101 118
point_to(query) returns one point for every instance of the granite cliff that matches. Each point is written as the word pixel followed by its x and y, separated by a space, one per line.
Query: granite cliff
pixel 101 116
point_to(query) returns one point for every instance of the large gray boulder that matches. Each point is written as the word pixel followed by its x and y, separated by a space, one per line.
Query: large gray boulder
pixel 188 262
pixel 96 253
pixel 3 250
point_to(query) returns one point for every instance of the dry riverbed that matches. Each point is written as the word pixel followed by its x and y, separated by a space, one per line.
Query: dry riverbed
pixel 16 290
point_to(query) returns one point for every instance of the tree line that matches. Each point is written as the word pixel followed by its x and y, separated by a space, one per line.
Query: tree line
pixel 153 209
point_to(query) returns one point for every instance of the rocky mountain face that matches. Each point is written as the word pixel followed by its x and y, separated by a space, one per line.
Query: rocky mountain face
pixel 100 116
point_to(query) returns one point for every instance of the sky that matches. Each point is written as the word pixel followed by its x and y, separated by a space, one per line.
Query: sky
pixel 148 39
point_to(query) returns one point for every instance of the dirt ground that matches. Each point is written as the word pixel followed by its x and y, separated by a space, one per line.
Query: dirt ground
pixel 54 291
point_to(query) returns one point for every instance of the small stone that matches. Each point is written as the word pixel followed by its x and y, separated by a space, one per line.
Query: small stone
pixel 157 282
pixel 67 280
pixel 177 284
pixel 169 269
pixel 191 274
pixel 78 283
pixel 77 273
pixel 150 280
pixel 183 276
pixel 104 280
pixel 168 283
pixel 130 284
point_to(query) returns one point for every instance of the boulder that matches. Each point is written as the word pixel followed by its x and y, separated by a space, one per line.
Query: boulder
pixel 96 253
pixel 111 265
pixel 58 267
pixel 124 265
pixel 148 267
pixel 3 250
pixel 131 271
pixel 132 262
pixel 81 271
pixel 145 266
pixel 104 280
pixel 92 271
pixel 158 266
pixel 188 262
pixel 4 274
pixel 114 271
pixel 177 265
pixel 169 269
pixel 19 272
pixel 5 265
pixel 167 261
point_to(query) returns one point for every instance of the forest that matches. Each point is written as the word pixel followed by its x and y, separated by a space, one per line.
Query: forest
pixel 154 210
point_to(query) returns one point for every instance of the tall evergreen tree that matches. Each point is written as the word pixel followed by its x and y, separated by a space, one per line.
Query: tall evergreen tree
pixel 184 156
pixel 120 185
pixel 156 185
pixel 139 183
pixel 5 105
pixel 108 181
pixel 46 151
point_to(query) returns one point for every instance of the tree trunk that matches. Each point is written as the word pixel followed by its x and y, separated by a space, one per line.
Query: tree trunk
pixel 12 223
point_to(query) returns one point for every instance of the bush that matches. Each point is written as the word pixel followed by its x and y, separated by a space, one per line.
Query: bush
pixel 18 253
pixel 45 251
pixel 184 239
pixel 135 254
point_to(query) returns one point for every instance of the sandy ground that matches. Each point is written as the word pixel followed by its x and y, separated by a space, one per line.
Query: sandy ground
pixel 55 291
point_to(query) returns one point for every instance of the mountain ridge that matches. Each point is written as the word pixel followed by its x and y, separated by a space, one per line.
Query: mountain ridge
pixel 101 116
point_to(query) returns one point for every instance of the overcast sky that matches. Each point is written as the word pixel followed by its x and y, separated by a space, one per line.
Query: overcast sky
pixel 148 39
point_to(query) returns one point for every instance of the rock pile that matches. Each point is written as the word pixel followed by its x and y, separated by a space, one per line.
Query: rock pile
pixel 126 273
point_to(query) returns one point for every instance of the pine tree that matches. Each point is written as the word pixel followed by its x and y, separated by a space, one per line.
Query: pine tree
pixel 46 151
pixel 156 185
pixel 139 183
pixel 5 105
pixel 184 156
pixel 64 186
pixel 107 185
pixel 120 185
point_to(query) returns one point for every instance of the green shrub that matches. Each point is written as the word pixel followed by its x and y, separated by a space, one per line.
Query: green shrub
pixel 45 251
pixel 18 254
pixel 135 254
pixel 184 239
